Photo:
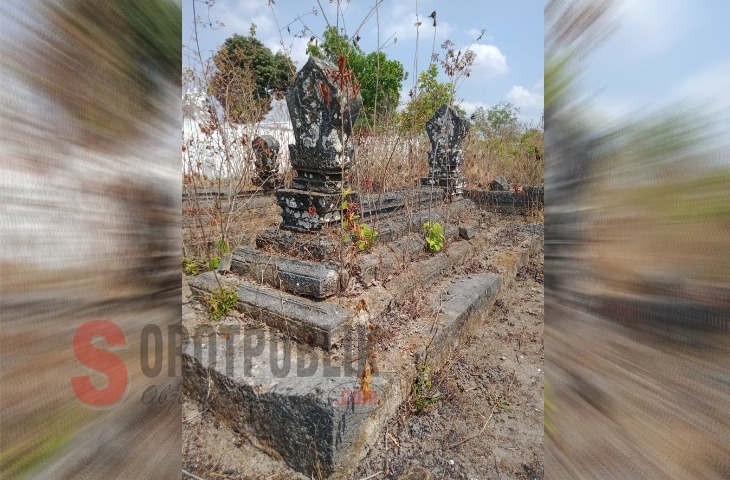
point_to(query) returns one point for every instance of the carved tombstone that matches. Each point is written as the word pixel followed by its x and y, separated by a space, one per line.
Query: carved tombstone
pixel 446 130
pixel 323 105
pixel 266 149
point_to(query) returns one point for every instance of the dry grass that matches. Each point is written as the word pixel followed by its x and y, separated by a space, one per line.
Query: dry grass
pixel 388 162
pixel 385 161
pixel 486 160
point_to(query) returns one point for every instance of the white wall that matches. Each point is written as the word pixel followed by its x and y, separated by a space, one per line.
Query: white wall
pixel 227 152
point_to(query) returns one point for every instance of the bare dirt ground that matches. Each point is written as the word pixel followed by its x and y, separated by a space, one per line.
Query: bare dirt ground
pixel 485 418
pixel 479 417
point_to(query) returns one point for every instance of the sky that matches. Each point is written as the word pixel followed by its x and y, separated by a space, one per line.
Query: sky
pixel 509 56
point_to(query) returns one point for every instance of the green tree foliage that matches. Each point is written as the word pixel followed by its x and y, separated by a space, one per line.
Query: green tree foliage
pixel 431 95
pixel 500 121
pixel 380 79
pixel 333 46
pixel 248 75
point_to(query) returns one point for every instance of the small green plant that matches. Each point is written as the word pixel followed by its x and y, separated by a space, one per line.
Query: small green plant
pixel 435 238
pixel 189 266
pixel 222 246
pixel 363 236
pixel 421 397
pixel 221 301
pixel 358 232
pixel 498 403
pixel 215 261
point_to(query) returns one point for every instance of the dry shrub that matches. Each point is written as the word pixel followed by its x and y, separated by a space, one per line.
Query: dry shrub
pixel 519 160
pixel 387 161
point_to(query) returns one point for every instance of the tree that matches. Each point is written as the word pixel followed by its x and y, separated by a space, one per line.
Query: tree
pixel 379 78
pixel 248 75
pixel 500 121
pixel 431 95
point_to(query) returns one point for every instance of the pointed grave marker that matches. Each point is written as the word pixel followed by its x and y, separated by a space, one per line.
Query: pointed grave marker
pixel 323 103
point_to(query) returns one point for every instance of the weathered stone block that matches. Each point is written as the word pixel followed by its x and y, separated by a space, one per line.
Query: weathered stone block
pixel 266 149
pixel 446 131
pixel 319 182
pixel 225 263
pixel 291 243
pixel 440 158
pixel 308 210
pixel 499 184
pixel 313 279
pixel 319 324
pixel 468 232
pixel 454 185
pixel 323 103
pixel 509 202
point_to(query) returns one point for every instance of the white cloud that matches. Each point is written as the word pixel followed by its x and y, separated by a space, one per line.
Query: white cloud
pixel 525 99
pixel 490 62
pixel 238 17
pixel 470 107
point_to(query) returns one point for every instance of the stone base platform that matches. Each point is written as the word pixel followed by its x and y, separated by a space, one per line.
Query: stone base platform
pixel 320 324
pixel 309 407
pixel 323 323
pixel 388 218
pixel 508 202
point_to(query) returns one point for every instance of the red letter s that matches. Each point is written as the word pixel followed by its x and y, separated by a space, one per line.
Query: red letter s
pixel 102 361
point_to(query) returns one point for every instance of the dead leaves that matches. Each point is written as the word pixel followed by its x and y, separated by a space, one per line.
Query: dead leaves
pixel 325 91
pixel 366 381
pixel 361 306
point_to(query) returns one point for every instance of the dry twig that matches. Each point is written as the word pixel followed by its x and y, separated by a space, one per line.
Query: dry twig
pixel 473 436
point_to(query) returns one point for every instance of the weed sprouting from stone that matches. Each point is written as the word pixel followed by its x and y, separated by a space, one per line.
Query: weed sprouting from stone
pixel 220 302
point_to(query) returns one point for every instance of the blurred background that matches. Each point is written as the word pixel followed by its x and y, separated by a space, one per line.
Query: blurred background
pixel 637 230
pixel 90 228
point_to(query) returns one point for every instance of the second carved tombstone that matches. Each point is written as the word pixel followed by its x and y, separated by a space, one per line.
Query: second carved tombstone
pixel 266 149
pixel 446 130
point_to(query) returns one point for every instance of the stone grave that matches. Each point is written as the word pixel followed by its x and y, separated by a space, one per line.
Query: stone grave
pixel 322 114
pixel 446 130
pixel 266 150
pixel 307 379
pixel 508 199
